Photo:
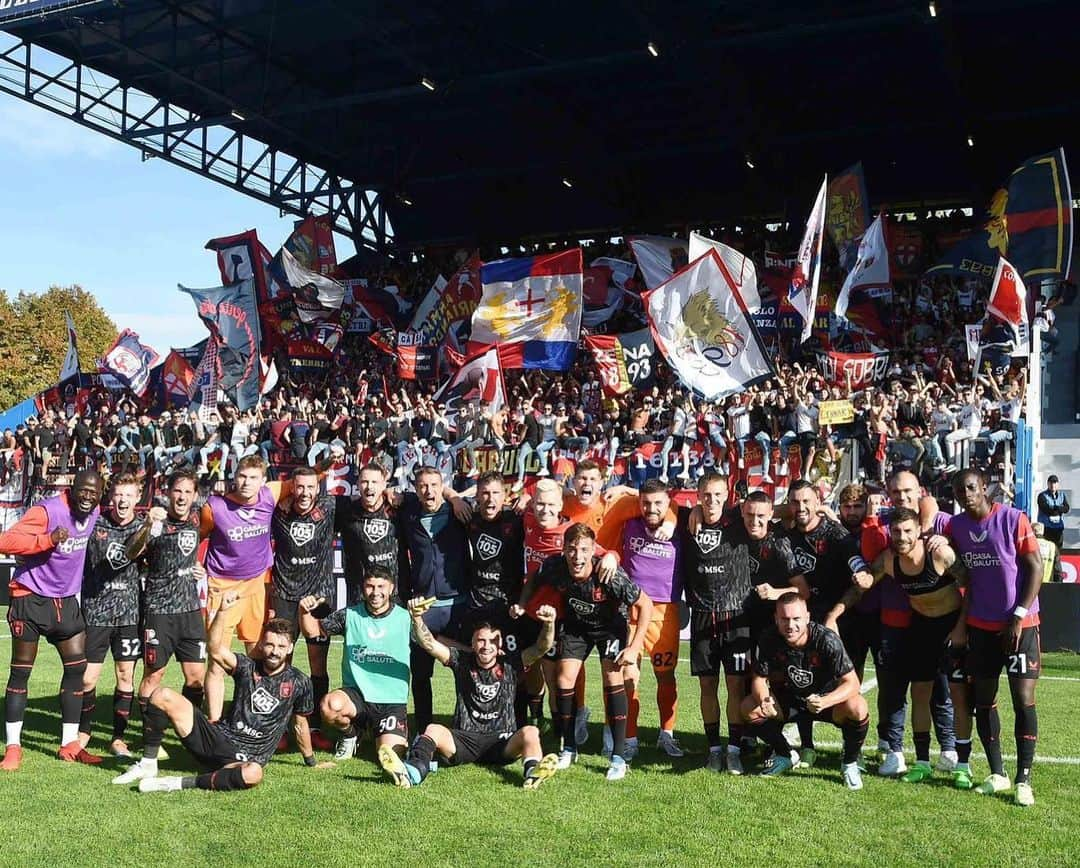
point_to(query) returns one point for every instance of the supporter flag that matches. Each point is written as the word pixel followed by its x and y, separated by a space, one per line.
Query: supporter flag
pixel 868 284
pixel 739 267
pixel 906 251
pixel 130 361
pixel 317 297
pixel 177 377
pixel 416 358
pixel 531 309
pixel 621 270
pixel 857 369
pixel 231 315
pixel 480 378
pixel 308 357
pixel 1029 223
pixel 204 387
pixel 602 297
pixel 847 211
pixel 71 361
pixel 594 284
pixel 1008 297
pixel 312 245
pixel 701 325
pixel 802 293
pixel 269 375
pixel 659 257
pixel 449 302
pixel 244 257
pixel 625 361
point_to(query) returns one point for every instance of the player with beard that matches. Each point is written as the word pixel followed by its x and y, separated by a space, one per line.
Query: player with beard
pixel 823 551
pixel 904 491
pixel 110 602
pixel 167 546
pixel 596 616
pixel 484 729
pixel 1001 624
pixel 268 691
pixel 860 626
pixel 368 531
pixel 50 543
pixel 374 665
pixel 303 532
pixel 651 562
pixel 931 582
pixel 801 666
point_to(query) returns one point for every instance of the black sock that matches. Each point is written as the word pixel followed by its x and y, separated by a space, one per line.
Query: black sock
pixel 321 686
pixel 565 702
pixel 806 731
pixel 922 746
pixel 712 733
pixel 194 695
pixel 536 706
pixel 1027 735
pixel 71 683
pixel 15 699
pixel 736 734
pixel 988 724
pixel 853 736
pixel 89 706
pixel 154 723
pixel 529 765
pixel 963 750
pixel 617 708
pixel 221 781
pixel 772 733
pixel 421 754
pixel 122 700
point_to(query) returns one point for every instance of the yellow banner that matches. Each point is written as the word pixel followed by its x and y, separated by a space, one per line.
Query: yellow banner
pixel 835 412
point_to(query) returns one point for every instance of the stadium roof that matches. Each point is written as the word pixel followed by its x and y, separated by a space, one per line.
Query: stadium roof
pixel 557 118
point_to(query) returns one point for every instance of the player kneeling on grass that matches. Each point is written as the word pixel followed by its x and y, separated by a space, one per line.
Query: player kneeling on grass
pixel 484 728
pixel 267 693
pixel 802 667
pixel 374 690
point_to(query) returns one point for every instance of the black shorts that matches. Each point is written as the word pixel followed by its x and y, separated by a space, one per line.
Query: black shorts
pixel 210 746
pixel 793 707
pixel 577 644
pixel 382 718
pixel 861 634
pixel 986 655
pixel 32 617
pixel 480 747
pixel 282 607
pixel 926 647
pixel 125 643
pixel 717 641
pixel 181 635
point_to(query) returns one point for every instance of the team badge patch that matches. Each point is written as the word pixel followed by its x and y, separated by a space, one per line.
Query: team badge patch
pixel 376 528
pixel 488 546
pixel 800 677
pixel 263 701
pixel 286 689
pixel 187 540
pixel 302 532
pixel 116 556
pixel 708 540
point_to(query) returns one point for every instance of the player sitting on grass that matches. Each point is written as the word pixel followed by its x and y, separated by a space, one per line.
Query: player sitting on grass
pixel 802 667
pixel 484 728
pixel 267 693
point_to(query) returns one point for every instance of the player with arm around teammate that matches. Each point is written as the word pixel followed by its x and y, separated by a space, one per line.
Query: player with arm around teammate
pixel 484 728
pixel 268 691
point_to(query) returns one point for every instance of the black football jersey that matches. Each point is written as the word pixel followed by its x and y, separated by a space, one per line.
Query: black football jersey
pixel 367 539
pixel 262 706
pixel 111 582
pixel 590 605
pixel 825 557
pixel 170 559
pixel 497 561
pixel 815 668
pixel 304 550
pixel 485 697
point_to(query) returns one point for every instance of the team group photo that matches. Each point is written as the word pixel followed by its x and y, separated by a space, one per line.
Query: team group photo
pixel 633 453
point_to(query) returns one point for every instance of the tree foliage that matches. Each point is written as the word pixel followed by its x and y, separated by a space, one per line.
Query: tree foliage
pixel 33 338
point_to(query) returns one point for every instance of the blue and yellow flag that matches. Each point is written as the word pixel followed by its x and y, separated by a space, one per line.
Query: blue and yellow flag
pixel 1029 223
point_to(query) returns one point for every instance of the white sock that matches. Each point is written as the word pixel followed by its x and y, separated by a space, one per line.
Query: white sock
pixel 716 748
pixel 150 764
pixel 14 733
pixel 69 732
pixel 731 748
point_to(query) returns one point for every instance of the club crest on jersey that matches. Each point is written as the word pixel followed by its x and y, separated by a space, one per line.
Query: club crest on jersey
pixel 246 514
pixel 708 540
pixel 805 561
pixel 302 532
pixel 116 556
pixel 800 677
pixel 754 565
pixel 186 541
pixel 376 528
pixel 285 689
pixel 978 537
pixel 582 607
pixel 488 546
pixel 263 701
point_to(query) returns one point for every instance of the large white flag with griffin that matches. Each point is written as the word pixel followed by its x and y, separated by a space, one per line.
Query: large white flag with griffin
pixel 702 326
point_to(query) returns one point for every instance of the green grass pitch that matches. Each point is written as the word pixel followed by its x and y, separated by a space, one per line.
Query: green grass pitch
pixel 666 812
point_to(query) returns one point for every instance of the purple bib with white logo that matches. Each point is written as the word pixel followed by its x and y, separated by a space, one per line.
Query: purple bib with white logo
pixel 59 571
pixel 240 541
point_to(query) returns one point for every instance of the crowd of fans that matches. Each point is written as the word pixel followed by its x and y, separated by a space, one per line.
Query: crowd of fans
pixel 930 412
